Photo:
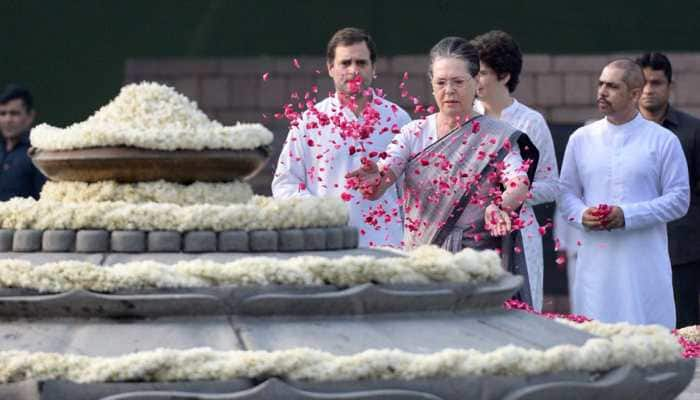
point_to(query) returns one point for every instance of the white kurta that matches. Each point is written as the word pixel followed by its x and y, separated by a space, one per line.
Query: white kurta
pixel 625 274
pixel 544 187
pixel 315 159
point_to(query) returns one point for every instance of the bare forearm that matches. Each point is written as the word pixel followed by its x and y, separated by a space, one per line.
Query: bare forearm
pixel 386 180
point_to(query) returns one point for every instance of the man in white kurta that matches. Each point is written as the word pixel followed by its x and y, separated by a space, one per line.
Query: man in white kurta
pixel 499 73
pixel 333 137
pixel 638 169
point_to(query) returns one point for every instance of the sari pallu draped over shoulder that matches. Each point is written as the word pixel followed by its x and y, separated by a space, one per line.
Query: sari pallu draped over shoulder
pixel 449 184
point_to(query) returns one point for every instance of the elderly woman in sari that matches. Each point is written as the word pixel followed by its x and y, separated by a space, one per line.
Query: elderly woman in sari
pixel 465 175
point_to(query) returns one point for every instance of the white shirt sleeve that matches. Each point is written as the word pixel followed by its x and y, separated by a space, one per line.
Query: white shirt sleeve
pixel 289 179
pixel 675 192
pixel 545 186
pixel 570 187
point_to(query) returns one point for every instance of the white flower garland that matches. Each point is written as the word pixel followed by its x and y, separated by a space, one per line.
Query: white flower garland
pixel 148 192
pixel 619 344
pixel 259 213
pixel 691 333
pixel 423 265
pixel 151 116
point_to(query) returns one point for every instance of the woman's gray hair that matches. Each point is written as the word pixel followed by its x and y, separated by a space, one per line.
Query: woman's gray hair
pixel 455 47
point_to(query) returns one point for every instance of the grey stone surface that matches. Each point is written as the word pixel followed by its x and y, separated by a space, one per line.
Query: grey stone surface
pixel 334 238
pixel 112 337
pixel 25 240
pixel 263 240
pixel 6 236
pixel 199 242
pixel 692 392
pixel 423 333
pixel 351 237
pixel 314 239
pixel 67 390
pixel 129 241
pixel 291 240
pixel 164 241
pixel 92 241
pixel 137 304
pixel 62 240
pixel 234 241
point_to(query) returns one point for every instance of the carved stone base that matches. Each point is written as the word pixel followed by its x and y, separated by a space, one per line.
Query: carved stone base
pixel 654 383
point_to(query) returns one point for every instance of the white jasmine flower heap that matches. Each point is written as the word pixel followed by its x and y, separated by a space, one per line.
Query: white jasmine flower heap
pixel 691 333
pixel 148 192
pixel 424 265
pixel 259 213
pixel 617 345
pixel 151 116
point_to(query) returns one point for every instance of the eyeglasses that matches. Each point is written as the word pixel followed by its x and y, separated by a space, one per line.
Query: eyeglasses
pixel 458 83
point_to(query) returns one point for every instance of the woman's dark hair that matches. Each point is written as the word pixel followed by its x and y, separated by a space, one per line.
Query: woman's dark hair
pixel 501 53
pixel 455 47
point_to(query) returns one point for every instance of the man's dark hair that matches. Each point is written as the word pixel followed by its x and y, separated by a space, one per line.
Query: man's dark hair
pixel 14 91
pixel 657 62
pixel 348 37
pixel 499 51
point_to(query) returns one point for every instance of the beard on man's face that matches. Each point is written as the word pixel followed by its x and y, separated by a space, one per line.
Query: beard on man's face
pixel 653 104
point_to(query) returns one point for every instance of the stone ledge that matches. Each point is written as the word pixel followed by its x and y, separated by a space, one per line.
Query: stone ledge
pixel 100 241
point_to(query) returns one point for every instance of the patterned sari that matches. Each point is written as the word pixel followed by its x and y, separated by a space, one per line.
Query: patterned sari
pixel 449 184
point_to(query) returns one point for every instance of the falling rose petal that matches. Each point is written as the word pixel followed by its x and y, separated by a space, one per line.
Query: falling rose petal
pixel 542 230
pixel 266 76
pixel 405 76
pixel 345 196
pixel 517 250
pixel 296 64
pixel 578 243
pixel 561 260
pixel 302 186
pixel 431 109
pixel 476 127
pixel 310 142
